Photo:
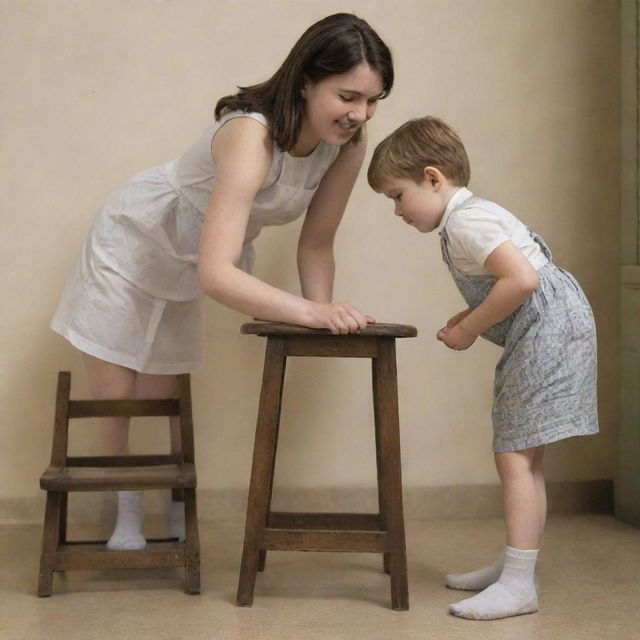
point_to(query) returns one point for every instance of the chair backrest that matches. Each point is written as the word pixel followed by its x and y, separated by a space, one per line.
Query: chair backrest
pixel 67 409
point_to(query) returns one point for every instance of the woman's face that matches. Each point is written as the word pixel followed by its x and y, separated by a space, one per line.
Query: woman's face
pixel 336 106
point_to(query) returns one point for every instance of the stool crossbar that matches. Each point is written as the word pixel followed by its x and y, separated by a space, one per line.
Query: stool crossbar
pixel 118 473
pixel 381 532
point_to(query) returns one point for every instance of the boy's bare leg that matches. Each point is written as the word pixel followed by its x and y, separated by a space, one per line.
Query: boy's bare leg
pixel 482 578
pixel 524 498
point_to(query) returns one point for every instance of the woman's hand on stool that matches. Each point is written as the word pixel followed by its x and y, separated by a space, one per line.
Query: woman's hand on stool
pixel 339 317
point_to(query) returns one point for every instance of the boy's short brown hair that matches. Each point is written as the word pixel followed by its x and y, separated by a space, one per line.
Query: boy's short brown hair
pixel 419 143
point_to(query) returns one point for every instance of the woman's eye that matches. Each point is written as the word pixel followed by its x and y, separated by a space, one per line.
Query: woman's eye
pixel 346 98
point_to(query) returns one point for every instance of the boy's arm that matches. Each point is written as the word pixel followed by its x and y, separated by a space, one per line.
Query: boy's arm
pixel 516 281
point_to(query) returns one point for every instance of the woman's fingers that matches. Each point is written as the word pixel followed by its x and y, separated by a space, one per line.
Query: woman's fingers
pixel 343 318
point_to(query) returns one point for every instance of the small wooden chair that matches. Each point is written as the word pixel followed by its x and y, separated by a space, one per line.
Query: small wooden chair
pixel 381 532
pixel 118 473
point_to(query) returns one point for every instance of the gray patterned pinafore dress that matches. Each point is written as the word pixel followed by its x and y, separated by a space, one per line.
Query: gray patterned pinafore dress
pixel 545 381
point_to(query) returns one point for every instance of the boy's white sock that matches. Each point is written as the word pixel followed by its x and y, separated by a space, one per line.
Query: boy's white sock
pixel 513 594
pixel 476 580
pixel 176 520
pixel 127 535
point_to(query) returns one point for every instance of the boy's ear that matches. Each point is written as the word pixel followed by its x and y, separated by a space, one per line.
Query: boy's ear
pixel 433 176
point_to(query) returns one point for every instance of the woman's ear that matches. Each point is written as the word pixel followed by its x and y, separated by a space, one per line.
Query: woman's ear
pixel 305 86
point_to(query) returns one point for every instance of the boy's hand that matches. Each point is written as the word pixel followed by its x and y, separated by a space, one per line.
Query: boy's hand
pixel 453 321
pixel 456 337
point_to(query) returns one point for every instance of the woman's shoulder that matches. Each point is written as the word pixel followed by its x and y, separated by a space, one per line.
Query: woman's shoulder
pixel 242 130
pixel 239 113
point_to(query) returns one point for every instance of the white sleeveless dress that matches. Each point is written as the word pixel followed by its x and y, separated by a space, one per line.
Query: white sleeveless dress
pixel 133 296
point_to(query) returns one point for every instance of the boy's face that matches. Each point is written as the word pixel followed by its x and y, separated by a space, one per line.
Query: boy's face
pixel 419 204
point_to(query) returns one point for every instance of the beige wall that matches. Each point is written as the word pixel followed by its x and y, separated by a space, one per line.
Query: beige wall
pixel 95 91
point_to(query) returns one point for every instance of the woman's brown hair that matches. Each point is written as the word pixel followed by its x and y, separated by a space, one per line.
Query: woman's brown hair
pixel 334 45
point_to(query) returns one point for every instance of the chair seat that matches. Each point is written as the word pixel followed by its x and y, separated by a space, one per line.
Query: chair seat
pixel 169 476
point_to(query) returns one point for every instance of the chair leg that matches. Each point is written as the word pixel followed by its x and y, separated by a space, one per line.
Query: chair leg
pixel 64 499
pixel 381 500
pixel 386 401
pixel 50 540
pixel 192 542
pixel 264 450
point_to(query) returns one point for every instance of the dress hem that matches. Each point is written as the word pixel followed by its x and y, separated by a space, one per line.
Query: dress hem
pixel 547 438
pixel 123 360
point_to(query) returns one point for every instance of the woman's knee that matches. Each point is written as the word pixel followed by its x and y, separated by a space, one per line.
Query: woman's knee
pixel 108 380
pixel 149 386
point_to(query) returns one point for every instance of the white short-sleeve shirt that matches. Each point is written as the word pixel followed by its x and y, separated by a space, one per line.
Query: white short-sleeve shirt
pixel 474 232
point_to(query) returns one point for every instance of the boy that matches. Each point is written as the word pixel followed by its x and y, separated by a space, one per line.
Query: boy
pixel 545 381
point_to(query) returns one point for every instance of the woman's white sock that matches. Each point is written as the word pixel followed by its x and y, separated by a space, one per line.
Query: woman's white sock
pixel 127 535
pixel 513 594
pixel 476 580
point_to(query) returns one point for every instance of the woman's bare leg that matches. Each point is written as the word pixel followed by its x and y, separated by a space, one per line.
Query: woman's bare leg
pixel 114 382
pixel 166 386
pixel 111 381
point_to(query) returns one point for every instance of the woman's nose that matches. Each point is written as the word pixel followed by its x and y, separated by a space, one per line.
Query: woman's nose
pixel 371 109
pixel 358 114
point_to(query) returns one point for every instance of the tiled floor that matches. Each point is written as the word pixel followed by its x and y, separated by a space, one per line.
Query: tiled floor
pixel 589 588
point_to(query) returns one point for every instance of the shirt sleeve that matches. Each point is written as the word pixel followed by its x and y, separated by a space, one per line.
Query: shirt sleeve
pixel 474 233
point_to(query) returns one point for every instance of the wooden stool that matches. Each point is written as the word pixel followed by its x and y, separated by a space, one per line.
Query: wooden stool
pixel 118 473
pixel 381 532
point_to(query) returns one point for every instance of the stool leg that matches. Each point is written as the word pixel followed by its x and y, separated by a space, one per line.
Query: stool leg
pixel 192 542
pixel 50 540
pixel 381 501
pixel 386 402
pixel 262 554
pixel 264 451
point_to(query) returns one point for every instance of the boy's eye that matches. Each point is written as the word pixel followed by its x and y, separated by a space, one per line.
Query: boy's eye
pixel 347 98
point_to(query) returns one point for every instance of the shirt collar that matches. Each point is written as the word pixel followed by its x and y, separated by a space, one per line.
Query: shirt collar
pixel 457 198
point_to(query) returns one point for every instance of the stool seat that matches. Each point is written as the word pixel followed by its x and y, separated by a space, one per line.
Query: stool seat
pixel 285 329
pixel 381 532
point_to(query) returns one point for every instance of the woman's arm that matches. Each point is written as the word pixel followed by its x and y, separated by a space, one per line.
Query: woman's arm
pixel 516 281
pixel 242 151
pixel 315 247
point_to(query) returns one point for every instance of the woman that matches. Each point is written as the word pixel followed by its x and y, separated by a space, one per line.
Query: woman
pixel 293 143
